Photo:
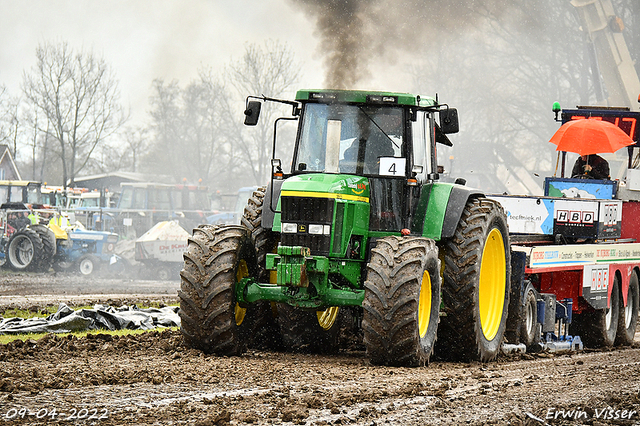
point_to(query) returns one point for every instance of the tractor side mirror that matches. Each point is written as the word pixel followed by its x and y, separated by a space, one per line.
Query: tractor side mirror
pixel 252 113
pixel 449 120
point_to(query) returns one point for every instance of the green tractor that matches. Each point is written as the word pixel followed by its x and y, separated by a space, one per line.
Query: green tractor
pixel 360 232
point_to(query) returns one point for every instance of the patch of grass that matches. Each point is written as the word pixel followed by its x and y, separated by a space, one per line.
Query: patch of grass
pixel 29 313
pixel 6 338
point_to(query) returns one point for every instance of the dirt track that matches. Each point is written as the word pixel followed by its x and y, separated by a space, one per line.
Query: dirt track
pixel 153 379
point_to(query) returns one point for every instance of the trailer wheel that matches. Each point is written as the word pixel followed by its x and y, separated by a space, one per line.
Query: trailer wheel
pixel 628 317
pixel 402 301
pixel 476 284
pixel 215 260
pixel 164 272
pixel 309 330
pixel 598 328
pixel 24 250
pixel 529 328
pixel 48 246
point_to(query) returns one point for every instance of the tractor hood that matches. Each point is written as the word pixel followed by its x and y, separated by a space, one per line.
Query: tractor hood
pixel 344 187
pixel 324 212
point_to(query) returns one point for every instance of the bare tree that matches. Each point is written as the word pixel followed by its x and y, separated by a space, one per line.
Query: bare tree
pixel 10 126
pixel 189 129
pixel 78 95
pixel 269 70
pixel 197 132
pixel 137 140
pixel 504 74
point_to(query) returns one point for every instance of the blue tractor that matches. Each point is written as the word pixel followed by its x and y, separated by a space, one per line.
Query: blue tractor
pixel 35 240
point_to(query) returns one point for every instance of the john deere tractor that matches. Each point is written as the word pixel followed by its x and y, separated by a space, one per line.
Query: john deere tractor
pixel 361 229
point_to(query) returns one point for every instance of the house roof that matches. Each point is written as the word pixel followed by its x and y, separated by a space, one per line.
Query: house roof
pixel 5 156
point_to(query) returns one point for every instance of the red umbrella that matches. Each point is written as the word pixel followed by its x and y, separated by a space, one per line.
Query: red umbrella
pixel 589 136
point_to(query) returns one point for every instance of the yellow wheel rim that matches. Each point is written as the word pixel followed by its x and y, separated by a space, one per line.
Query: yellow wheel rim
pixel 240 313
pixel 492 286
pixel 424 304
pixel 327 318
pixel 243 271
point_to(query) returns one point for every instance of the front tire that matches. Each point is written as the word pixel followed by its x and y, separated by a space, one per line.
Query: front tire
pixel 88 264
pixel 402 301
pixel 476 284
pixel 265 241
pixel 628 317
pixel 308 330
pixel 216 259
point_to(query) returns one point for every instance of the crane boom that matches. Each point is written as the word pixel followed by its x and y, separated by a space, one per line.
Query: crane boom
pixel 614 61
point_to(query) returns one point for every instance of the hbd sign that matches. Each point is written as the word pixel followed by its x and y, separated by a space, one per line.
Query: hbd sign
pixel 576 218
pixel 585 218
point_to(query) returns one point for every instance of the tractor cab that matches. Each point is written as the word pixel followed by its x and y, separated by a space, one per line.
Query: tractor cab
pixel 376 147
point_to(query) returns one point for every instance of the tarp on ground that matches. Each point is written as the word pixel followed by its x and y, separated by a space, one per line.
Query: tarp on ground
pixel 66 320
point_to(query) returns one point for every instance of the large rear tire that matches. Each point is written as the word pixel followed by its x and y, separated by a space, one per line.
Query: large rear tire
pixel 24 251
pixel 402 301
pixel 598 328
pixel 216 259
pixel 48 239
pixel 628 317
pixel 476 284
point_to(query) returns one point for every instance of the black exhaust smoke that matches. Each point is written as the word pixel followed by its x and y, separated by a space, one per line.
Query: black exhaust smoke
pixel 360 36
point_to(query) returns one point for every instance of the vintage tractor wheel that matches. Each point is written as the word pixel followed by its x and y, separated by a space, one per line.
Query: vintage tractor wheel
pixel 309 330
pixel 476 284
pixel 88 264
pixel 63 266
pixel 598 328
pixel 48 246
pixel 628 317
pixel 402 301
pixel 24 250
pixel 215 260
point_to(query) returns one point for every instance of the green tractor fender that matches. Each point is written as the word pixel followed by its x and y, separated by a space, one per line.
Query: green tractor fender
pixel 440 208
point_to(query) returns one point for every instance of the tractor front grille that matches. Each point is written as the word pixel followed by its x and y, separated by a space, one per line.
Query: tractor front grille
pixel 305 211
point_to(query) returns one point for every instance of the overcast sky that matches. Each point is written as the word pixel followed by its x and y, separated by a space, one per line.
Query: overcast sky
pixel 147 39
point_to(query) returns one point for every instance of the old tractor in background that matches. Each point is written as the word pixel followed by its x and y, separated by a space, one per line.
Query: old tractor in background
pixel 35 238
pixel 359 233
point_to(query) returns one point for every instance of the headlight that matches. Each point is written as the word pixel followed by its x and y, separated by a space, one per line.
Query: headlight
pixel 327 230
pixel 289 228
pixel 316 229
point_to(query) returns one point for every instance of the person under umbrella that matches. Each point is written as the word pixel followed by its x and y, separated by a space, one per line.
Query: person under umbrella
pixel 591 166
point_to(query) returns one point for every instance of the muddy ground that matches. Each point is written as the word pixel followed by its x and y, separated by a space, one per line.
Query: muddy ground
pixel 153 379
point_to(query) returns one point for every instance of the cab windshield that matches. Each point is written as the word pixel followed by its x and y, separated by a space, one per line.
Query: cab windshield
pixel 352 139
